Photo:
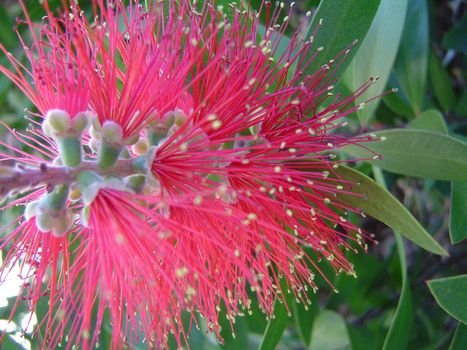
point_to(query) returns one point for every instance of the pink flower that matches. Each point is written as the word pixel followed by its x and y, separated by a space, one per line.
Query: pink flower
pixel 207 170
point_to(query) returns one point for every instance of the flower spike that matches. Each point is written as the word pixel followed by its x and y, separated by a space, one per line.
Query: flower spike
pixel 182 162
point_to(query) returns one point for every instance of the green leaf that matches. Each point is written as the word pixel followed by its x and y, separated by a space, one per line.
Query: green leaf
pixel 461 107
pixel 430 120
pixel 277 325
pixel 311 3
pixel 455 38
pixel 7 35
pixel 396 101
pixel 375 201
pixel 412 59
pixel 399 332
pixel 304 320
pixel 377 54
pixel 343 23
pixel 459 340
pixel 433 120
pixel 237 340
pixel 329 332
pixel 450 294
pixel 441 84
pixel 419 153
pixel 369 337
pixel 358 293
pixel 458 219
pixel 9 343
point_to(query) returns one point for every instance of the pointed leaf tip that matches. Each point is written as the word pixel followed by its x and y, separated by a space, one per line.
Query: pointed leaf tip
pixel 375 201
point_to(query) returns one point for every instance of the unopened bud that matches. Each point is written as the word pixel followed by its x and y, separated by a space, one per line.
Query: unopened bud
pixel 66 132
pixel 84 216
pixel 44 221
pixel 80 121
pixel 112 132
pixel 168 119
pixel 136 183
pixel 179 116
pixel 63 223
pixel 75 194
pixel 58 120
pixel 30 210
pixel 69 148
pixel 156 134
pixel 140 147
pixel 110 145
pixel 131 140
pixel 47 130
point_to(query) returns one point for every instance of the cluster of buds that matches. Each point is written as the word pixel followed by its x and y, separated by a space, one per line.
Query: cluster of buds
pixel 66 132
pixel 98 169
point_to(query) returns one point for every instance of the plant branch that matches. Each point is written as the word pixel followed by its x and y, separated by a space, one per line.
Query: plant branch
pixel 20 178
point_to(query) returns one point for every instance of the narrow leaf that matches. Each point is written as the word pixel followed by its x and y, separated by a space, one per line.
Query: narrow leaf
pixel 397 102
pixel 329 332
pixel 455 38
pixel 277 325
pixel 430 120
pixel 304 320
pixel 441 83
pixel 237 338
pixel 412 59
pixel 343 23
pixel 433 120
pixel 459 340
pixel 458 219
pixel 375 201
pixel 450 295
pixel 419 153
pixel 377 54
pixel 399 331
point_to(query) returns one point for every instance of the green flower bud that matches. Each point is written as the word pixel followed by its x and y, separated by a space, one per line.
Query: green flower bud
pixel 168 119
pixel 108 154
pixel 180 117
pixel 75 194
pixel 84 216
pixel 136 183
pixel 30 210
pixel 44 222
pixel 112 132
pixel 80 121
pixel 58 120
pixel 70 150
pixel 156 135
pixel 131 140
pixel 55 200
pixel 63 223
pixel 140 147
pixel 47 129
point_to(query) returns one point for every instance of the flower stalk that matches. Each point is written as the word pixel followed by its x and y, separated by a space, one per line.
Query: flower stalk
pixel 19 178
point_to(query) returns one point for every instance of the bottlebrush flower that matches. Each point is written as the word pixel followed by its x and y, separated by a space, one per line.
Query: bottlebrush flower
pixel 207 170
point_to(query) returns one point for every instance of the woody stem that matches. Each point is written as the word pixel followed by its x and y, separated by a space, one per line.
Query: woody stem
pixel 22 177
